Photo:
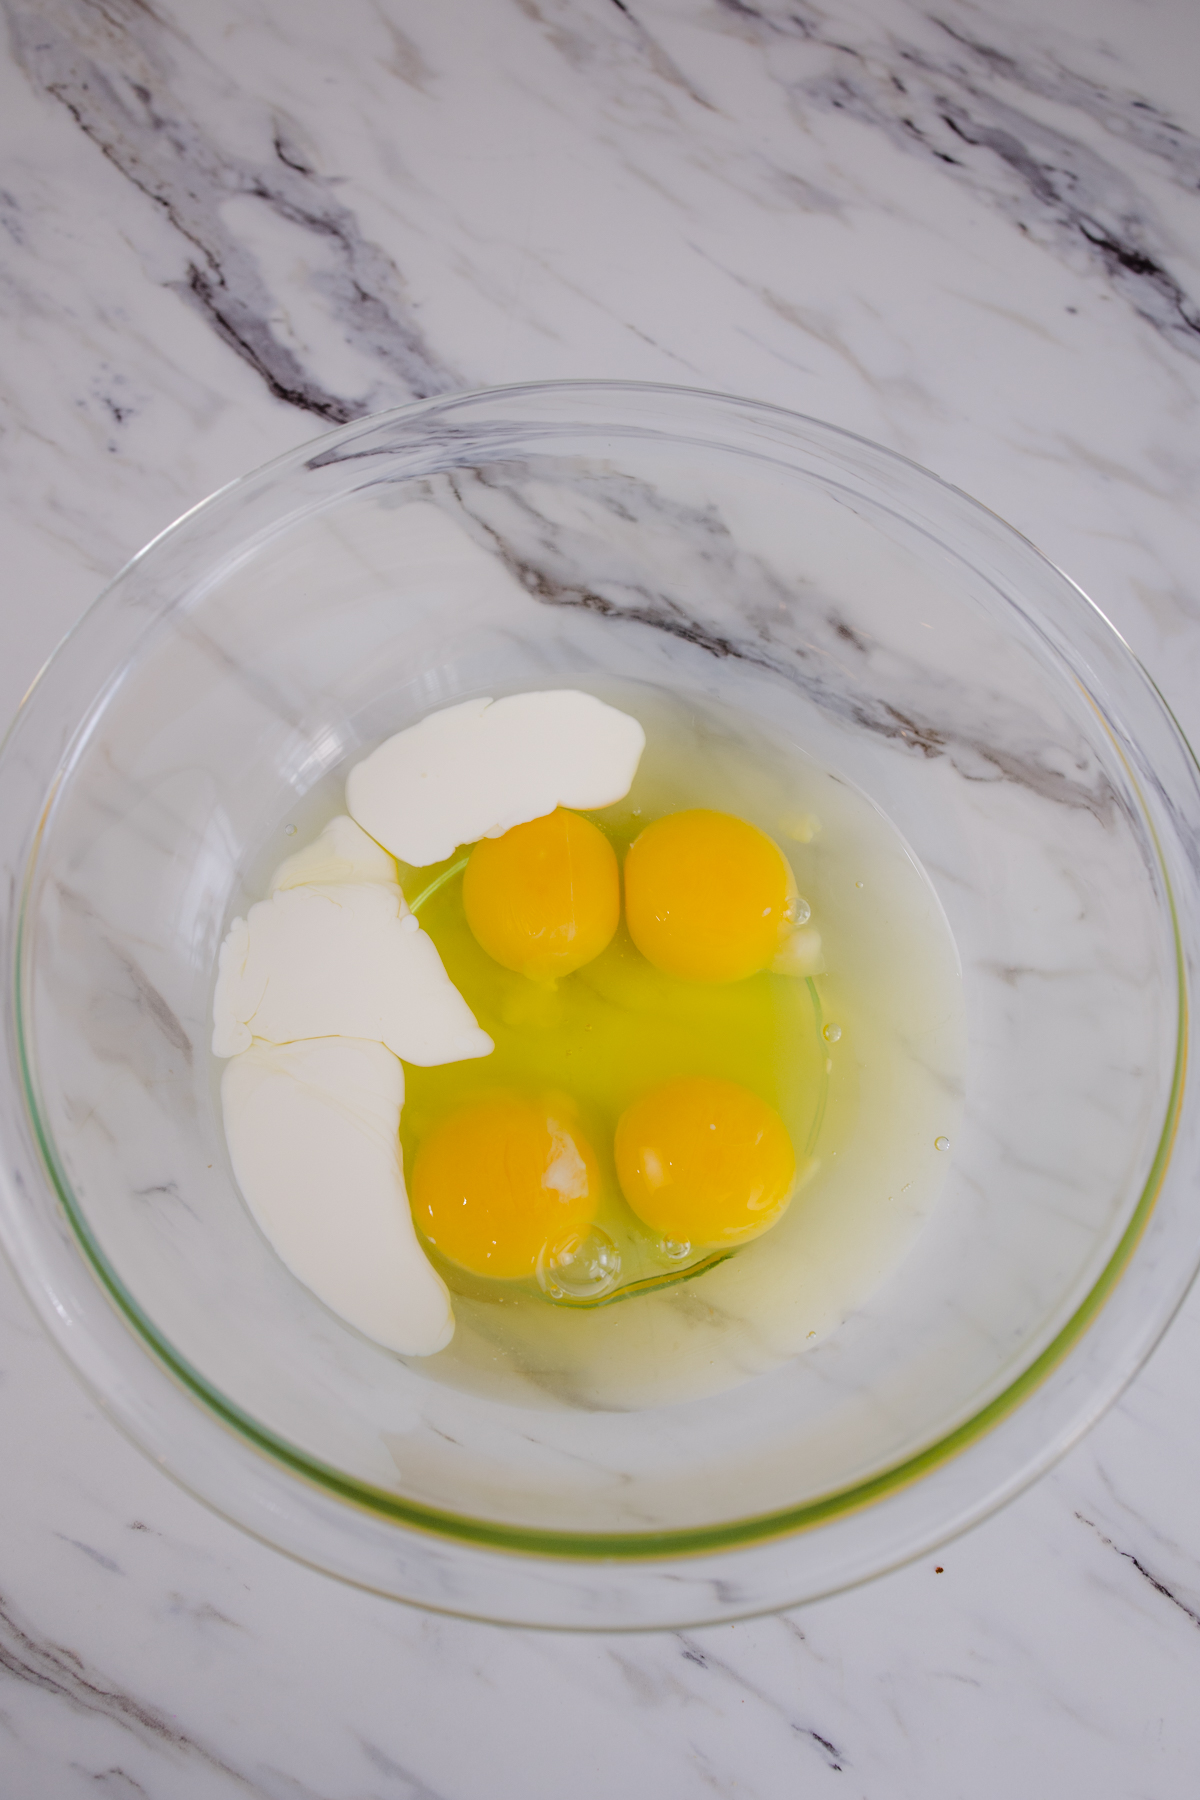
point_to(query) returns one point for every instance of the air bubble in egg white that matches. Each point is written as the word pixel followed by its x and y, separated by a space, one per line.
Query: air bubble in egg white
pixel 583 1266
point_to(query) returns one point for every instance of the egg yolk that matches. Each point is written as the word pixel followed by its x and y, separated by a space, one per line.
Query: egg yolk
pixel 704 1162
pixel 707 897
pixel 545 898
pixel 501 1178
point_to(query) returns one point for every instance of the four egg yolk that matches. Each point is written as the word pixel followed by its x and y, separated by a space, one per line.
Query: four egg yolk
pixel 545 898
pixel 708 897
pixel 704 1162
pixel 501 1178
pixel 701 1161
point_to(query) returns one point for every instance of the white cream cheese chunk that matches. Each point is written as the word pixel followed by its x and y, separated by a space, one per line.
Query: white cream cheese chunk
pixel 343 852
pixel 340 960
pixel 477 769
pixel 312 1134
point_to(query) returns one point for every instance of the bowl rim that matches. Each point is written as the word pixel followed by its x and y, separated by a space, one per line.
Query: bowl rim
pixel 633 1546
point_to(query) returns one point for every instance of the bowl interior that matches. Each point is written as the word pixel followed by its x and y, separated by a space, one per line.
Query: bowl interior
pixel 850 607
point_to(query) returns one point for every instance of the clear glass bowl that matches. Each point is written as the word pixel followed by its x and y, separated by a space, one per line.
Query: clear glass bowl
pixel 853 603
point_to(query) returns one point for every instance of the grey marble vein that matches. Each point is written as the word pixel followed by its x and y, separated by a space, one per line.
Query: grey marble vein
pixel 58 1671
pixel 1147 1575
pixel 112 67
pixel 938 92
pixel 794 637
pixel 704 1658
pixel 945 109
pixel 411 1787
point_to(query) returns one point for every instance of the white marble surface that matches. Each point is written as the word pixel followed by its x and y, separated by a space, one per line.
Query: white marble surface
pixel 970 233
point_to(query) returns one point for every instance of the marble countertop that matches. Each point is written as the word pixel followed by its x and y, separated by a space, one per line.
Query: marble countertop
pixel 970 232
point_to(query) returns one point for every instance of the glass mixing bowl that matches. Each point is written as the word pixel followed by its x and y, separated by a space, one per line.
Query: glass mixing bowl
pixel 851 603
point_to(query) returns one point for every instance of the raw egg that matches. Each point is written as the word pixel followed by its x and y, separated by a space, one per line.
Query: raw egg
pixel 502 1178
pixel 708 897
pixel 545 898
pixel 704 1161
